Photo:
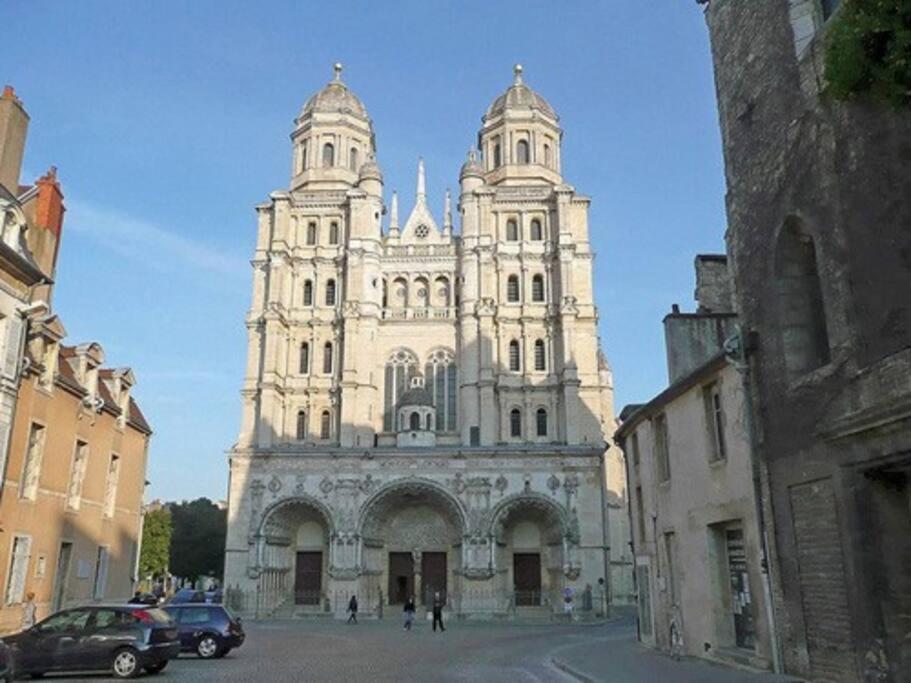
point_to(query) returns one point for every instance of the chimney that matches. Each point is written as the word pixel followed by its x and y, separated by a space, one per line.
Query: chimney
pixel 13 128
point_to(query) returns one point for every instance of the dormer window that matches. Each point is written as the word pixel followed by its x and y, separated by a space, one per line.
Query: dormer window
pixel 496 155
pixel 548 156
pixel 522 155
pixel 328 154
pixel 353 160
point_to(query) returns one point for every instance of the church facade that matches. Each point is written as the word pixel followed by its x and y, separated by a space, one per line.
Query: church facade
pixel 426 405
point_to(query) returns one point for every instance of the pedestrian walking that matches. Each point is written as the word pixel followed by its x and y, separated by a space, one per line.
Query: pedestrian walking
pixel 409 613
pixel 352 609
pixel 438 603
pixel 568 595
pixel 28 612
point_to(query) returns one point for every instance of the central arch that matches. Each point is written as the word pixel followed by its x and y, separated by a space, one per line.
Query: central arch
pixel 294 549
pixel 412 530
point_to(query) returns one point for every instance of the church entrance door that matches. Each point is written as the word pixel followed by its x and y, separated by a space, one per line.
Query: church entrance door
pixel 527 579
pixel 401 577
pixel 308 578
pixel 433 575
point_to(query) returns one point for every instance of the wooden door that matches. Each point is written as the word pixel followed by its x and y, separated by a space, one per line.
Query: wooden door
pixel 401 577
pixel 527 578
pixel 308 578
pixel 433 575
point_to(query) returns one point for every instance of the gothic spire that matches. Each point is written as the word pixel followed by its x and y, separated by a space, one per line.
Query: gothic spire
pixel 394 215
pixel 447 214
pixel 422 192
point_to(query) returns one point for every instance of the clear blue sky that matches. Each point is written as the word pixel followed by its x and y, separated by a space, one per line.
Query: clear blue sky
pixel 169 121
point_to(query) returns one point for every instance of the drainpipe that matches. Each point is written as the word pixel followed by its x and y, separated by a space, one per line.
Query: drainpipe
pixel 737 351
pixel 605 531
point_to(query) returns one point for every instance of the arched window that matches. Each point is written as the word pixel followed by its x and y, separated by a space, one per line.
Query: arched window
pixel 311 233
pixel 325 425
pixel 496 155
pixel 515 358
pixel 328 154
pixel 801 309
pixel 308 292
pixel 548 156
pixel 537 234
pixel 541 422
pixel 333 233
pixel 428 426
pixel 301 425
pixel 515 423
pixel 540 355
pixel 537 288
pixel 327 358
pixel 400 368
pixel 522 156
pixel 415 421
pixel 512 288
pixel 512 230
pixel 305 358
pixel 352 160
pixel 330 292
pixel 303 166
pixel 442 382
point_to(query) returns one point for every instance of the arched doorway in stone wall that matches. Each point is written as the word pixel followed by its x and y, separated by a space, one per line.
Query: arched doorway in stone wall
pixel 295 550
pixel 412 534
pixel 529 531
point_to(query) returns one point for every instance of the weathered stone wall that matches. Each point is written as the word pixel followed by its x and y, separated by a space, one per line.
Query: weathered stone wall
pixel 842 170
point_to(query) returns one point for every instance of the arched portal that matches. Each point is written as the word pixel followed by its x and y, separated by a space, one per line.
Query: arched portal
pixel 294 550
pixel 412 533
pixel 530 535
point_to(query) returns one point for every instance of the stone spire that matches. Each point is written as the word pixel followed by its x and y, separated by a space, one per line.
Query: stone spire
pixel 447 215
pixel 422 192
pixel 394 215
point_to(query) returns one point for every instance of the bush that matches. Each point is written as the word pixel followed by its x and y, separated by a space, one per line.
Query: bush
pixel 868 51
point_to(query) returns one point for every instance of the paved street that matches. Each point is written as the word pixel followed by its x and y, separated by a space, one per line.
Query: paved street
pixel 316 651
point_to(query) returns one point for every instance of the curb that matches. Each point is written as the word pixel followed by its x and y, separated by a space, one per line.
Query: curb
pixel 575 673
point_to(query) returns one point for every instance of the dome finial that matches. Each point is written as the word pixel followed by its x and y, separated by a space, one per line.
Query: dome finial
pixel 517 71
pixel 337 67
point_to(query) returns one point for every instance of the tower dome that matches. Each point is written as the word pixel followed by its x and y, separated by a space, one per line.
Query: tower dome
pixel 335 97
pixel 519 96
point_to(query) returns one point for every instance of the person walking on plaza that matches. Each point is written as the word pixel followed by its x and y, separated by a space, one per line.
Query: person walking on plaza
pixel 409 613
pixel 568 595
pixel 352 609
pixel 438 603
pixel 28 612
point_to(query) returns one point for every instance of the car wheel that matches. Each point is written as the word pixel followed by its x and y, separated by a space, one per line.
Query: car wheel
pixel 207 647
pixel 125 663
pixel 155 668
pixel 223 652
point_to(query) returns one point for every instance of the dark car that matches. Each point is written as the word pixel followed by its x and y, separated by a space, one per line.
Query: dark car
pixel 123 639
pixel 6 668
pixel 215 596
pixel 144 599
pixel 208 630
pixel 185 595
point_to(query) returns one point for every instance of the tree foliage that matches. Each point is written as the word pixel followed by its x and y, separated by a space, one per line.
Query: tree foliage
pixel 869 51
pixel 198 540
pixel 156 543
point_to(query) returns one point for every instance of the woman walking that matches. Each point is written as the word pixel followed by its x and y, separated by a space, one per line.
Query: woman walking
pixel 352 609
pixel 409 613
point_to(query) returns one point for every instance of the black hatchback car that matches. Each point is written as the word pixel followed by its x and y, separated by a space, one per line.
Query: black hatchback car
pixel 122 639
pixel 206 629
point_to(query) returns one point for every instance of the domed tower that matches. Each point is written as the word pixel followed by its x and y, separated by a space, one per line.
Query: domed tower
pixel 520 137
pixel 416 416
pixel 333 137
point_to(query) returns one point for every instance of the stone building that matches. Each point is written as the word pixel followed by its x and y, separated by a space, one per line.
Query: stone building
pixel 696 527
pixel 819 241
pixel 425 407
pixel 74 473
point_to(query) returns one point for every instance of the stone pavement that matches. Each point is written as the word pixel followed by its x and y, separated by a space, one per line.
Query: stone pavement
pixel 322 650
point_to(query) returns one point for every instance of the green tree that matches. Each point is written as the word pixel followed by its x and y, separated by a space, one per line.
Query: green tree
pixel 198 539
pixel 868 51
pixel 156 543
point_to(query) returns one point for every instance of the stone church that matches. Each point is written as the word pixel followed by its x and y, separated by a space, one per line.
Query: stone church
pixel 426 405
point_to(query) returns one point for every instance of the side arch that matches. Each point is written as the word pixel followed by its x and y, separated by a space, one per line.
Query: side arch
pixel 299 500
pixel 536 504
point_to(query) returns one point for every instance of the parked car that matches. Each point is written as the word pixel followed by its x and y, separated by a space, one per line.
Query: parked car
pixel 185 595
pixel 144 599
pixel 208 630
pixel 6 669
pixel 123 639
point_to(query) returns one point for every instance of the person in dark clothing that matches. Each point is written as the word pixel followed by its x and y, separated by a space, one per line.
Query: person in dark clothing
pixel 409 613
pixel 438 603
pixel 352 609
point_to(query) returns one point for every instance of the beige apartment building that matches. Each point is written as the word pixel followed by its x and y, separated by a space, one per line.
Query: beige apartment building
pixel 696 531
pixel 74 471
